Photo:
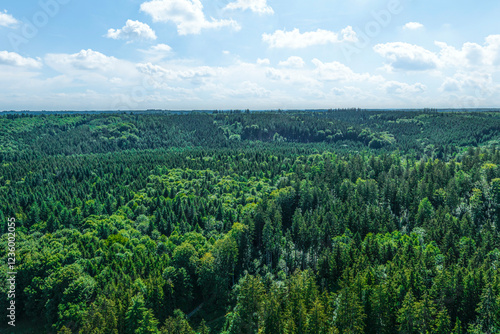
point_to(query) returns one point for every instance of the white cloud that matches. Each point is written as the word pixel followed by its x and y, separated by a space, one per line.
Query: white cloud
pixel 277 75
pixel 295 39
pixel 187 15
pixel 493 49
pixel 256 6
pixel 294 61
pixel 160 80
pixel 401 88
pixel 7 20
pixel 161 48
pixel 413 26
pixel 197 72
pixel 15 59
pixel 471 89
pixel 450 85
pixel 472 54
pixel 247 90
pixel 157 52
pixel 349 35
pixel 404 56
pixel 264 61
pixel 85 60
pixel 94 69
pixel 133 30
pixel 467 72
pixel 478 82
pixel 469 57
pixel 157 74
pixel 336 71
pixel 162 74
pixel 346 90
pixel 290 76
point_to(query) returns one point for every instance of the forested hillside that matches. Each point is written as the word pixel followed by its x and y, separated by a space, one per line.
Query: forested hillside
pixel 434 134
pixel 344 221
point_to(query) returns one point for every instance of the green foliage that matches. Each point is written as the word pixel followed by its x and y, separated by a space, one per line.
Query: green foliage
pixel 155 223
pixel 250 298
pixel 177 324
pixel 425 212
pixel 136 315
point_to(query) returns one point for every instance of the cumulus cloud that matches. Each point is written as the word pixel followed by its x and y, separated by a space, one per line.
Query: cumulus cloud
pixel 256 6
pixel 450 85
pixel 478 82
pixel 413 26
pixel 298 77
pixel 157 52
pixel 161 48
pixel 471 89
pixel 404 56
pixel 187 15
pixel 94 70
pixel 472 54
pixel 15 59
pixel 7 20
pixel 246 90
pixel 158 75
pixel 466 72
pixel 348 35
pixel 84 60
pixel 493 49
pixel 402 88
pixel 197 72
pixel 133 30
pixel 161 73
pixel 294 61
pixel 295 39
pixel 346 90
pixel 336 71
pixel 264 61
pixel 277 75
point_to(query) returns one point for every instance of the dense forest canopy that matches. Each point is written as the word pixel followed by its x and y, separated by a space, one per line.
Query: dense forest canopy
pixel 430 133
pixel 344 221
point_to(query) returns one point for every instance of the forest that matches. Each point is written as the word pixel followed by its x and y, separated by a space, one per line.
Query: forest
pixel 334 221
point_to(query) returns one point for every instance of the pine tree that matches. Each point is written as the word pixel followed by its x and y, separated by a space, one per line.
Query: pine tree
pixel 148 324
pixel 350 316
pixel 317 320
pixel 424 213
pixel 249 304
pixel 406 314
pixel 458 327
pixel 442 323
pixel 203 328
pixel 177 324
pixel 425 313
pixel 135 314
pixel 489 311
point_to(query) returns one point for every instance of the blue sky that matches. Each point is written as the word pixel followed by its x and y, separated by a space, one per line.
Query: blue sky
pixel 257 54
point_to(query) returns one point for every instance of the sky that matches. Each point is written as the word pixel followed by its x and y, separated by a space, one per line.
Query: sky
pixel 255 54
